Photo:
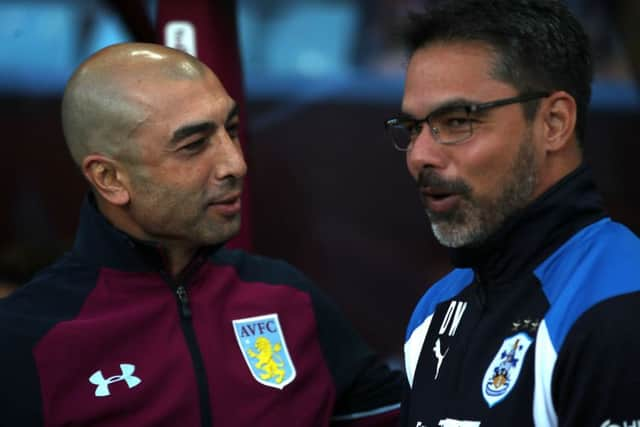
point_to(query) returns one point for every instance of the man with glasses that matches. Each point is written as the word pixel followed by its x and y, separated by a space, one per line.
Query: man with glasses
pixel 536 324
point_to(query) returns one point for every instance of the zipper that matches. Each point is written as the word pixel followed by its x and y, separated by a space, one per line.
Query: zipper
pixel 183 300
pixel 186 322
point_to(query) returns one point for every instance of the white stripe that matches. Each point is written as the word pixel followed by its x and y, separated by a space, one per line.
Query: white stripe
pixel 544 414
pixel 413 347
pixel 365 414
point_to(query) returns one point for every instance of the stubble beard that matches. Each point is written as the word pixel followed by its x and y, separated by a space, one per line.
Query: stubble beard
pixel 475 220
pixel 174 216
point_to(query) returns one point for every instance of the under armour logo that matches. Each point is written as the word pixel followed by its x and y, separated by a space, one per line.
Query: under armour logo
pixel 103 384
pixel 437 351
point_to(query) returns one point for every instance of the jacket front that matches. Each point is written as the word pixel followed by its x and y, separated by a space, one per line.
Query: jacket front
pixel 535 327
pixel 105 337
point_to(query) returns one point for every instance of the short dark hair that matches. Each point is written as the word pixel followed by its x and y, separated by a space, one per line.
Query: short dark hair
pixel 539 44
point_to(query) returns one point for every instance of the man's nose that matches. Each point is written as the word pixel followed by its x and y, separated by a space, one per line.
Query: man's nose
pixel 229 158
pixel 425 152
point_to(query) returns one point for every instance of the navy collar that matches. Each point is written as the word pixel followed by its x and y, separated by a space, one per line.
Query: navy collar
pixel 100 243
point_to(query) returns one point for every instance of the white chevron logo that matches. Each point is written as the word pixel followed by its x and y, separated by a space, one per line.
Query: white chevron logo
pixel 102 388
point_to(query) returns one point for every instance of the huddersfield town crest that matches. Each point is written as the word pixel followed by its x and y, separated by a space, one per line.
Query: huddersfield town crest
pixel 503 372
pixel 264 349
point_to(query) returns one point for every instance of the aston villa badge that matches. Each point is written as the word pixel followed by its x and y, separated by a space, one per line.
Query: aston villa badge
pixel 263 346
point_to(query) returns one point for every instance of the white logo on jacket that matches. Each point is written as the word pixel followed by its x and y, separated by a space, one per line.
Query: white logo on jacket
pixel 416 341
pixel 448 327
pixel 127 376
pixel 439 355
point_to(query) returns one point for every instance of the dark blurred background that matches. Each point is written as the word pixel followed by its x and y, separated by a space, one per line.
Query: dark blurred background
pixel 328 193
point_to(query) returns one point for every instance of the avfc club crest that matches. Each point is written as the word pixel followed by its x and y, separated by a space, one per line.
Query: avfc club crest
pixel 503 372
pixel 264 349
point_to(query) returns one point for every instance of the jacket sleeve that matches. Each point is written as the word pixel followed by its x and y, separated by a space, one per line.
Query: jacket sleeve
pixel 596 381
pixel 368 392
pixel 20 397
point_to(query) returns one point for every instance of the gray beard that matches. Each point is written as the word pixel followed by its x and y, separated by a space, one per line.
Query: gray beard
pixel 474 220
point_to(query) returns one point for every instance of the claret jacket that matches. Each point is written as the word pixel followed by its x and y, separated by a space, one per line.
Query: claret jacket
pixel 105 337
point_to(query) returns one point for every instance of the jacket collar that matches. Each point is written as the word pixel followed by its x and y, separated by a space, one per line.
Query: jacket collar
pixel 100 243
pixel 529 236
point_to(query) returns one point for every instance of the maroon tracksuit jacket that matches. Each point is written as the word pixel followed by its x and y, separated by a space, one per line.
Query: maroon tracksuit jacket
pixel 105 337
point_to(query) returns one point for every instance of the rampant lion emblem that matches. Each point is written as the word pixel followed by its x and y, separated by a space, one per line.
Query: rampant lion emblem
pixel 264 348
pixel 268 360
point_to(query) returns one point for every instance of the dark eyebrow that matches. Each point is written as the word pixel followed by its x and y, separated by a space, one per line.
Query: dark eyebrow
pixel 191 129
pixel 200 127
pixel 445 106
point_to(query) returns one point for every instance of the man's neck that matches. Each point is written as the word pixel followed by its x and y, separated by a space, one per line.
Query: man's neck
pixel 177 259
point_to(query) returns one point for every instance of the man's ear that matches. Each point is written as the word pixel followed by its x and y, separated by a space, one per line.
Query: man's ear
pixel 559 114
pixel 105 176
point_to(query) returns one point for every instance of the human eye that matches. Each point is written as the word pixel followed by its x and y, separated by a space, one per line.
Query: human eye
pixel 233 129
pixel 452 121
pixel 194 146
pixel 457 122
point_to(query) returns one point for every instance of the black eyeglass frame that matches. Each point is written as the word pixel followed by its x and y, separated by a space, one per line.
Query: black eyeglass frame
pixel 469 108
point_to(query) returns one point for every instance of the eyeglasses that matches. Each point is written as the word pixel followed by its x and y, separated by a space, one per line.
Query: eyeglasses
pixel 450 124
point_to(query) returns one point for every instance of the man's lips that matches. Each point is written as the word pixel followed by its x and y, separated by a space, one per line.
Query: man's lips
pixel 228 205
pixel 439 201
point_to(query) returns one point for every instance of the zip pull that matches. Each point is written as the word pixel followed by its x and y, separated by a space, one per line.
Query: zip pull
pixel 181 292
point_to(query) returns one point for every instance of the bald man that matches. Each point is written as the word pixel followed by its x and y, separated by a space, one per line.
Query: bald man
pixel 149 320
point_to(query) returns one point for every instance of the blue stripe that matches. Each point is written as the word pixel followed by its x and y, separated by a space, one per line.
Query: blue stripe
pixel 444 289
pixel 599 262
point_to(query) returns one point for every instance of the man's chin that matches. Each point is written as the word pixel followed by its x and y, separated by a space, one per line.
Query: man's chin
pixel 452 235
pixel 220 233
